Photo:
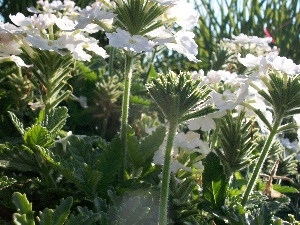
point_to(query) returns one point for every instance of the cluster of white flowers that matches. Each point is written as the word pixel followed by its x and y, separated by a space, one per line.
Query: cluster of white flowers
pixel 62 27
pixel 186 143
pixel 242 41
pixel 181 41
pixel 52 28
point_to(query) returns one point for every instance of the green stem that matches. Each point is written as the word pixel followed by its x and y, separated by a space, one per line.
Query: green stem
pixel 164 193
pixel 260 162
pixel 111 61
pixel 125 110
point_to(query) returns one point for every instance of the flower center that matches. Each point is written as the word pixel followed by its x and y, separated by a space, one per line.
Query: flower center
pixel 132 41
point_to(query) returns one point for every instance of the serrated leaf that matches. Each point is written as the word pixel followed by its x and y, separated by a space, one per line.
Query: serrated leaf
pixel 133 148
pixel 55 120
pixel 38 135
pixel 18 124
pixel 109 163
pixel 83 151
pixel 150 144
pixel 46 217
pixel 214 182
pixel 18 157
pixel 24 216
pixel 62 211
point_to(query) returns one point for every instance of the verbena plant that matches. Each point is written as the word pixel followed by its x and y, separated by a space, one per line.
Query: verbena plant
pixel 191 147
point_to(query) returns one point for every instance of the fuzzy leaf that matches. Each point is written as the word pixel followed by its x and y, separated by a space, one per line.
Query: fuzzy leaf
pixel 83 152
pixel 18 124
pixel 38 135
pixel 150 144
pixel 55 120
pixel 133 148
pixel 24 216
pixel 109 163
pixel 62 211
pixel 214 182
pixel 18 157
pixel 45 217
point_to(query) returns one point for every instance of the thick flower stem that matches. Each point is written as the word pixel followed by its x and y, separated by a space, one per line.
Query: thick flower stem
pixel 125 110
pixel 164 194
pixel 111 61
pixel 260 162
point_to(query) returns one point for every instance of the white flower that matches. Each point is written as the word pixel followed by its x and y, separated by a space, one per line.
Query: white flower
pixel 19 62
pixel 228 100
pixel 250 60
pixel 283 64
pixel 20 20
pixel 183 13
pixel 36 105
pixel 135 43
pixel 82 100
pixel 187 141
pixel 43 21
pixel 93 13
pixel 161 36
pixel 185 44
pixel 65 23
pixel 205 123
pixel 64 141
pixel 214 77
pixel 44 44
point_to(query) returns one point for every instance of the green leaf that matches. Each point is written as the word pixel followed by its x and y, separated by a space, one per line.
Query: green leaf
pixel 214 182
pixel 38 135
pixel 45 217
pixel 83 152
pixel 133 148
pixel 57 216
pixel 18 124
pixel 55 120
pixel 285 189
pixel 134 99
pixel 288 126
pixel 62 211
pixel 18 157
pixel 109 163
pixel 24 216
pixel 6 181
pixel 150 144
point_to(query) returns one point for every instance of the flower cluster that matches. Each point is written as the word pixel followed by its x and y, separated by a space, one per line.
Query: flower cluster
pixel 149 27
pixel 184 143
pixel 51 28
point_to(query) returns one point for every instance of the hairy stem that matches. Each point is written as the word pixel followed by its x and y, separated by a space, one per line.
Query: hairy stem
pixel 111 61
pixel 260 162
pixel 164 194
pixel 125 110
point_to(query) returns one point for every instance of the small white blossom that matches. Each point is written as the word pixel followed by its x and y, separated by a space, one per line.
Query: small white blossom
pixel 36 105
pixel 64 141
pixel 20 20
pixel 283 64
pixel 185 44
pixel 185 20
pixel 135 43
